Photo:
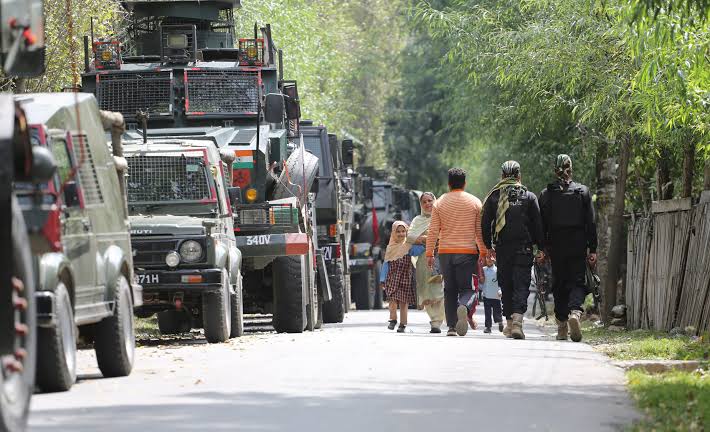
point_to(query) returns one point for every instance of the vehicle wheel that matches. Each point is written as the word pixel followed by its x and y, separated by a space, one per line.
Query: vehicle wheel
pixel 334 310
pixel 17 375
pixel 293 178
pixel 174 322
pixel 115 343
pixel 289 301
pixel 362 290
pixel 56 347
pixel 377 293
pixel 237 303
pixel 217 312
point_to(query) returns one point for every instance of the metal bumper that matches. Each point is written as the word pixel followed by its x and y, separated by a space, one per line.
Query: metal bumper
pixel 268 245
pixel 202 280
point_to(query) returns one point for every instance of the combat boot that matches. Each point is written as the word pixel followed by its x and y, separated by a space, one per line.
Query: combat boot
pixel 517 329
pixel 508 327
pixel 562 330
pixel 575 328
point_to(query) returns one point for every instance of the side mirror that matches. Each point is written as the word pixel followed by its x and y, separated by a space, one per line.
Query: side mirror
pixel 274 108
pixel 22 44
pixel 43 166
pixel 348 152
pixel 367 188
pixel 315 187
pixel 71 194
pixel 235 195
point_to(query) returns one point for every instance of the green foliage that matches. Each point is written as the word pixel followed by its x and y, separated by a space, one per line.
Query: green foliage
pixel 674 401
pixel 646 345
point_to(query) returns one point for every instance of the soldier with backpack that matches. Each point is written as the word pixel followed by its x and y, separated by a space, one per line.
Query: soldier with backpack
pixel 511 225
pixel 571 238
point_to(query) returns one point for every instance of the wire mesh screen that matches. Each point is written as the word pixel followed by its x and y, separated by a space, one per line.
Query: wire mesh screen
pixel 87 170
pixel 222 92
pixel 167 178
pixel 129 93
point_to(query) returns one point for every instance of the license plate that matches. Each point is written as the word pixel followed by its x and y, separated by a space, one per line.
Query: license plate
pixel 328 252
pixel 147 279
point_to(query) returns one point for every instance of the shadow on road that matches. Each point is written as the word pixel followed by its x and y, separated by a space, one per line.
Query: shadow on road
pixel 413 406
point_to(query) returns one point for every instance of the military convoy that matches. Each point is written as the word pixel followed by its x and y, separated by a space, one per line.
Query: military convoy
pixel 212 200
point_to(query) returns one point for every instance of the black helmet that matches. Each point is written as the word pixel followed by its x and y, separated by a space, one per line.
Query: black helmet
pixel 510 169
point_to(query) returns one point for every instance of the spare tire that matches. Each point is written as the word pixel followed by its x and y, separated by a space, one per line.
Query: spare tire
pixel 294 171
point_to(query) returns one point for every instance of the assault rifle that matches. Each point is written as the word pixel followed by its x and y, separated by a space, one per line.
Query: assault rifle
pixel 593 284
pixel 543 284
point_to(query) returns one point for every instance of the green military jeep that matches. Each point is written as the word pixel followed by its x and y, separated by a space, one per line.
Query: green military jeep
pixel 86 277
pixel 182 232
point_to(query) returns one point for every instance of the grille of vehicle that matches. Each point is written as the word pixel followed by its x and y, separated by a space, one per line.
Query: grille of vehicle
pixel 167 178
pixel 222 92
pixel 129 93
pixel 152 252
pixel 281 215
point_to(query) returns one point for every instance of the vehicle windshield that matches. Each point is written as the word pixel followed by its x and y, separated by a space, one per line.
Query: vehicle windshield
pixel 313 145
pixel 381 196
pixel 177 183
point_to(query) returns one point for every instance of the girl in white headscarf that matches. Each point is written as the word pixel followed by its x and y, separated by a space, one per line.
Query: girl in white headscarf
pixel 430 291
pixel 397 276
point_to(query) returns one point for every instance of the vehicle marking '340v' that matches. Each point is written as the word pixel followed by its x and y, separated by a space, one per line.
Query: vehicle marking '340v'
pixel 259 240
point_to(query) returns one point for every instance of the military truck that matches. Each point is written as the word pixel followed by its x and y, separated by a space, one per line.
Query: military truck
pixel 21 55
pixel 182 234
pixel 181 73
pixel 332 216
pixel 86 277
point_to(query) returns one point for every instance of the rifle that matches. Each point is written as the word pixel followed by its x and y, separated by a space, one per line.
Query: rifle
pixel 542 282
pixel 593 284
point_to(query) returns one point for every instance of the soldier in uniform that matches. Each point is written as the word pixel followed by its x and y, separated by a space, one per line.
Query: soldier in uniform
pixel 571 238
pixel 511 224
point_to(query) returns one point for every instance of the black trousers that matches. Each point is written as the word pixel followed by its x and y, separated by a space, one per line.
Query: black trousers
pixel 458 271
pixel 492 307
pixel 569 284
pixel 514 280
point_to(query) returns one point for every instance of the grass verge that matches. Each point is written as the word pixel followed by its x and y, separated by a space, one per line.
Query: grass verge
pixel 671 401
pixel 147 327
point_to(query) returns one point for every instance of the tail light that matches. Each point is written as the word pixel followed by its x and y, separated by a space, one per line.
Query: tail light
pixel 52 230
pixel 338 251
pixel 333 230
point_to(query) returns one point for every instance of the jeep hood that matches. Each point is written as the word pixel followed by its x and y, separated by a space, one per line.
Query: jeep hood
pixel 166 225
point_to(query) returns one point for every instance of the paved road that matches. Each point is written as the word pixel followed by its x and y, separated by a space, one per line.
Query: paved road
pixel 356 376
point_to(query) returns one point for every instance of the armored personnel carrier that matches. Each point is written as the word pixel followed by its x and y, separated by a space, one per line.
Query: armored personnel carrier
pixel 180 72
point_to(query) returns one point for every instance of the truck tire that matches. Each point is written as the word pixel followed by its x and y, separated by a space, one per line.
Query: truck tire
pixel 289 302
pixel 363 290
pixel 295 172
pixel 56 347
pixel 237 304
pixel 16 387
pixel 115 343
pixel 174 322
pixel 217 312
pixel 375 283
pixel 334 310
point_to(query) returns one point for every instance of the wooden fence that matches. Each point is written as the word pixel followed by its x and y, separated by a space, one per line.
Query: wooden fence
pixel 668 270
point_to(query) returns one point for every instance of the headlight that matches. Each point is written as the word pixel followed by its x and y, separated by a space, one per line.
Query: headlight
pixel 251 195
pixel 190 251
pixel 172 259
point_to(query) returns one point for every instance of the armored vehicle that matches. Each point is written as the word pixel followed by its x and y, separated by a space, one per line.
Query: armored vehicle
pixel 21 55
pixel 182 74
pixel 332 216
pixel 86 277
pixel 182 233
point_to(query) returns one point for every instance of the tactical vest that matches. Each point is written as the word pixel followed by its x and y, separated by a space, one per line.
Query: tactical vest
pixel 564 208
pixel 515 233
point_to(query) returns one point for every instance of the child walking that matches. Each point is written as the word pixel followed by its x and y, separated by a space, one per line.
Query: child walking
pixel 397 275
pixel 491 295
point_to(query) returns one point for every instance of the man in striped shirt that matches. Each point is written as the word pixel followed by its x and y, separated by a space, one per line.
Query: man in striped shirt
pixel 456 225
